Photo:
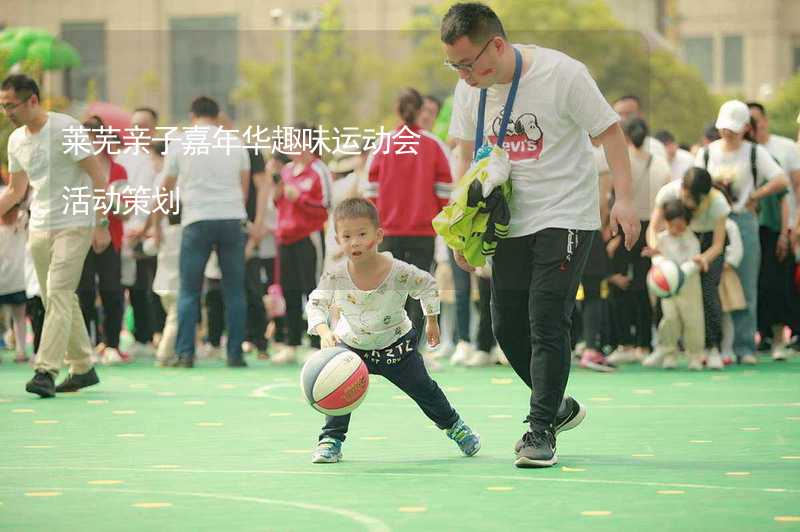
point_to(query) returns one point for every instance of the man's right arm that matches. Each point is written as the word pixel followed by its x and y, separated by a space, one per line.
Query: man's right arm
pixel 14 192
pixel 463 153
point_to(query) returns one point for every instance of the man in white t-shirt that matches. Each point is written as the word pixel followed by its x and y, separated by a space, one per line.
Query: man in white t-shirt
pixel 211 169
pixel 679 159
pixel 778 303
pixel 51 153
pixel 630 106
pixel 557 113
pixel 138 268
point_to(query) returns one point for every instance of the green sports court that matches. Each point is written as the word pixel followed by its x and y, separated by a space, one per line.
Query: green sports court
pixel 219 449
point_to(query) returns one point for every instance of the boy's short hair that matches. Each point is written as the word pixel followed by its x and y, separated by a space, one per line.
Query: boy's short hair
pixel 356 208
pixel 674 209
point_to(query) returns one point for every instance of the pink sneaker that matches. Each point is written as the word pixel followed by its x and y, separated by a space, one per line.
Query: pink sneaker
pixel 594 360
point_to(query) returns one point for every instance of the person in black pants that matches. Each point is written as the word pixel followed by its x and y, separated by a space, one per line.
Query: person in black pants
pixel 418 251
pixel 557 113
pixel 106 268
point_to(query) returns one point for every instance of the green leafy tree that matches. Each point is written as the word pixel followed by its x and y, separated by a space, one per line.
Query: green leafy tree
pixel 784 107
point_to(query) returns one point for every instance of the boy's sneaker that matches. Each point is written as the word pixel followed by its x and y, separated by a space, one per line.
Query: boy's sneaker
pixel 654 359
pixel 714 361
pixel 567 419
pixel 479 359
pixel 696 362
pixel 329 451
pixel 779 354
pixel 538 449
pixel 468 441
pixel 461 354
pixel 670 362
pixel 73 382
pixel 42 385
pixel 287 355
pixel 623 356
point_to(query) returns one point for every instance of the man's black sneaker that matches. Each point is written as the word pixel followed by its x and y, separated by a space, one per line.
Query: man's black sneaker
pixel 73 382
pixel 42 385
pixel 567 418
pixel 237 363
pixel 538 449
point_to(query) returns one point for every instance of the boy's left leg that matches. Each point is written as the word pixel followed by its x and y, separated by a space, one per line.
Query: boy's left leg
pixel 409 374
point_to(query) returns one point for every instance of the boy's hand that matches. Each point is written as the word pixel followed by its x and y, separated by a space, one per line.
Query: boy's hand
pixel 432 331
pixel 328 340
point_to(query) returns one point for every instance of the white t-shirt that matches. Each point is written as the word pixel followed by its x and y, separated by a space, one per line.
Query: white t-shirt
pixel 42 157
pixel 209 184
pixel 372 319
pixel 711 209
pixel 681 163
pixel 553 171
pixel 678 248
pixel 167 279
pixel 647 180
pixel 142 179
pixel 12 258
pixel 787 153
pixel 734 167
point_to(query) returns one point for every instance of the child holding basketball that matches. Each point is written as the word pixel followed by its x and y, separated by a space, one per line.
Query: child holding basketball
pixel 683 312
pixel 369 292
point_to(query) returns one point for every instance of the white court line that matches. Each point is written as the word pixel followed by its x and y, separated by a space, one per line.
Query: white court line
pixel 399 475
pixel 370 523
pixel 263 391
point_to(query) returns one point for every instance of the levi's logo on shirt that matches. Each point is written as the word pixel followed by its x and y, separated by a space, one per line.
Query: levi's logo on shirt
pixel 524 138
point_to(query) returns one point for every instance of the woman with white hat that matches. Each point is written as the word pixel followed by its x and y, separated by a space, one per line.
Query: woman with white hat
pixel 748 174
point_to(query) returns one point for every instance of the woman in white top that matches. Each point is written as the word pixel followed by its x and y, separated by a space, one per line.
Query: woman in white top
pixel 629 297
pixel 748 173
pixel 709 210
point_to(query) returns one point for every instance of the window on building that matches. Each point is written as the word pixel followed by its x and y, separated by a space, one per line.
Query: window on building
pixel 204 57
pixel 733 60
pixel 699 52
pixel 89 39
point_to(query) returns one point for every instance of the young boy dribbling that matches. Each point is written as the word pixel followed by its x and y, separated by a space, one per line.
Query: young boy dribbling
pixel 369 292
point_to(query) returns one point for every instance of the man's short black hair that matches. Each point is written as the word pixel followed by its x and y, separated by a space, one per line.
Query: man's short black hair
pixel 205 107
pixel 150 110
pixel 474 20
pixel 23 86
pixel 629 97
pixel 757 105
pixel 664 136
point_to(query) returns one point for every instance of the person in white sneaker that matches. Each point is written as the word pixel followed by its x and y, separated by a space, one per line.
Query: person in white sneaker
pixel 683 311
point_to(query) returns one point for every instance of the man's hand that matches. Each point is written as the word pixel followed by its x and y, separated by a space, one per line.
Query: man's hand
pixel 432 331
pixel 622 214
pixel 462 262
pixel 701 262
pixel 101 239
pixel 620 281
pixel 782 247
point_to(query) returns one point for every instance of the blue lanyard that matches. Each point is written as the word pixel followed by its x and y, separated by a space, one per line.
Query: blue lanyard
pixel 512 93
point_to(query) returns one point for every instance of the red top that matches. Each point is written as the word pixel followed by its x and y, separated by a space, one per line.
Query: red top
pixel 309 212
pixel 409 190
pixel 116 173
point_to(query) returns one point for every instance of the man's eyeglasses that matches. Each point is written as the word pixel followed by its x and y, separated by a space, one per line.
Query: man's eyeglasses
pixel 6 107
pixel 467 67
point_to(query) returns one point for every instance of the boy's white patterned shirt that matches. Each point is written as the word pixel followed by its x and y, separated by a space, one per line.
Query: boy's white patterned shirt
pixel 371 319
